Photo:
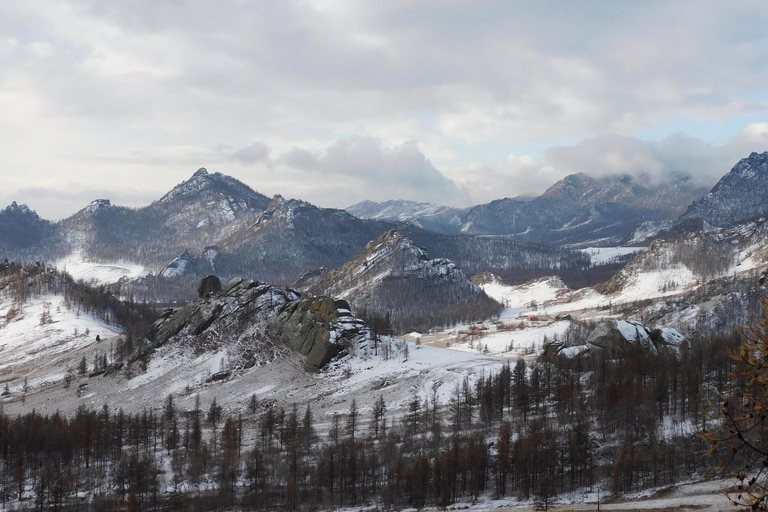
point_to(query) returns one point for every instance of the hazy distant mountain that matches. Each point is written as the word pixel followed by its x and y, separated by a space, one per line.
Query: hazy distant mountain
pixel 433 217
pixel 391 276
pixel 579 210
pixel 24 234
pixel 739 196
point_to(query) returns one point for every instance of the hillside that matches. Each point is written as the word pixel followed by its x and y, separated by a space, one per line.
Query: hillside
pixel 24 235
pixel 392 278
pixel 741 195
pixel 580 210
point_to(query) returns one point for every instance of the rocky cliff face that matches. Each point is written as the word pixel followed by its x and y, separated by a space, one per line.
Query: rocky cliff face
pixel 253 321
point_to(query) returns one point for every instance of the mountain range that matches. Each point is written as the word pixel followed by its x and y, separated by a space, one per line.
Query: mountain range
pixel 222 226
pixel 577 211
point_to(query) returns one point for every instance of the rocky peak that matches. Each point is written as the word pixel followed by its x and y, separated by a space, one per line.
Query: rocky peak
pixel 97 205
pixel 285 209
pixel 204 186
pixel 16 209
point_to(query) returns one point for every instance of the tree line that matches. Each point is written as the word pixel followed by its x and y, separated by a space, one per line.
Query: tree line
pixel 528 430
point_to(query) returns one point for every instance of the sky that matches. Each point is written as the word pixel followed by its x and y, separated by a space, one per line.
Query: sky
pixel 335 101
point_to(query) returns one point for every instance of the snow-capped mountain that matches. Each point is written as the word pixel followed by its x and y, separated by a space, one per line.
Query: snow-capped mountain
pixel 392 276
pixel 579 209
pixel 432 217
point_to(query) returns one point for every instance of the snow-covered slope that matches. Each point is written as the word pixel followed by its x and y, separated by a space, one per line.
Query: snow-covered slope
pixel 703 280
pixel 434 217
pixel 43 339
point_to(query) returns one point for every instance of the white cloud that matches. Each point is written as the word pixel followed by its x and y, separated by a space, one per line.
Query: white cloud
pixel 378 172
pixel 100 90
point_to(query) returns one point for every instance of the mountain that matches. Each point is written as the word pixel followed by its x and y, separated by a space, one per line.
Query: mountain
pixel 291 237
pixel 196 212
pixel 578 210
pixel 24 234
pixel 739 196
pixel 392 277
pixel 432 217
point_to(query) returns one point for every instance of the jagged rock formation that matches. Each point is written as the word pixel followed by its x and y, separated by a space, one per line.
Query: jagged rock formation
pixel 739 196
pixel 432 217
pixel 579 209
pixel 392 276
pixel 208 284
pixel 254 319
pixel 183 265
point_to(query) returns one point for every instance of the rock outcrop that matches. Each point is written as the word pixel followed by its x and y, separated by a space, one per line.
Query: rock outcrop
pixel 208 284
pixel 616 336
pixel 319 328
pixel 250 316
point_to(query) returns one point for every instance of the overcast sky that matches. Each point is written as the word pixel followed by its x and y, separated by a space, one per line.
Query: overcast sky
pixel 334 102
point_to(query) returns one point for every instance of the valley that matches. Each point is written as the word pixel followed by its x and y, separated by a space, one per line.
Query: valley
pixel 414 356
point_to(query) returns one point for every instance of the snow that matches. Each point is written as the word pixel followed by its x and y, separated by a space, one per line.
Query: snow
pixel 633 331
pixel 43 352
pixel 603 255
pixel 528 340
pixel 526 295
pixel 101 273
pixel 672 336
pixel 549 296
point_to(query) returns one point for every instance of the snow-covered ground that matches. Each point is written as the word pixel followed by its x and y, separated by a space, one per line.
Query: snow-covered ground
pixel 101 273
pixel 529 340
pixel 603 255
pixel 42 339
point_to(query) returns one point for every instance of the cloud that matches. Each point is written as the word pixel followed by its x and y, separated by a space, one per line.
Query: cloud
pixel 167 87
pixel 650 162
pixel 50 201
pixel 258 152
pixel 380 173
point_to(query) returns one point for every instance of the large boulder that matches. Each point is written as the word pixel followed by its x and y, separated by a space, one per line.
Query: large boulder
pixel 318 327
pixel 208 284
pixel 616 336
